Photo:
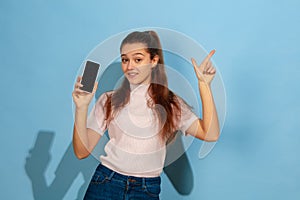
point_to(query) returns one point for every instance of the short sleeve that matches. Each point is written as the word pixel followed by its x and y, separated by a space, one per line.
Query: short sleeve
pixel 96 119
pixel 187 117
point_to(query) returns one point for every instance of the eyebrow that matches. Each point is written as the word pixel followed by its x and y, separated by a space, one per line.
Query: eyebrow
pixel 134 54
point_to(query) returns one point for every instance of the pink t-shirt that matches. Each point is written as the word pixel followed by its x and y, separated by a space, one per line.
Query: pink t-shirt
pixel 135 148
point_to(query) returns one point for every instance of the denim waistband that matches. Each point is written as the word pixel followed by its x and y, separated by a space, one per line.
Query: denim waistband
pixel 110 173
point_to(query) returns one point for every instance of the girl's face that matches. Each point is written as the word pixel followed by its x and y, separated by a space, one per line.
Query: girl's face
pixel 137 64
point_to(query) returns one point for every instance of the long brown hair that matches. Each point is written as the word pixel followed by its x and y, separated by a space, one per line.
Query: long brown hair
pixel 158 89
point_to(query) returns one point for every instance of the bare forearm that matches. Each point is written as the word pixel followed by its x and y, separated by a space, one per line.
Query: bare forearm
pixel 210 122
pixel 80 138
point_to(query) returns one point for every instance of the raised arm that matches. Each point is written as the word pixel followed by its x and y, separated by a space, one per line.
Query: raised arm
pixel 206 129
pixel 84 139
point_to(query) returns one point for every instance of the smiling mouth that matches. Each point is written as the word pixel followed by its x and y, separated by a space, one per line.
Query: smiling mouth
pixel 132 74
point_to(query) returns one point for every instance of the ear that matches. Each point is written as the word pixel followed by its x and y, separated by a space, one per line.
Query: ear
pixel 154 61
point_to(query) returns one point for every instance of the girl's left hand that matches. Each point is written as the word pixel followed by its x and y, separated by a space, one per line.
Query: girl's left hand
pixel 205 71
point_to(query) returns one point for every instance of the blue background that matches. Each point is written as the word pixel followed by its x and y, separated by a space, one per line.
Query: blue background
pixel 43 43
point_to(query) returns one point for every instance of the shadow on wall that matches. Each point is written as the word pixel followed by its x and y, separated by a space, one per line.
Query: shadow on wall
pixel 179 172
pixel 66 172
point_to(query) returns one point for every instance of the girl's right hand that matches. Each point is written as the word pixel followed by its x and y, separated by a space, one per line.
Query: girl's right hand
pixel 80 97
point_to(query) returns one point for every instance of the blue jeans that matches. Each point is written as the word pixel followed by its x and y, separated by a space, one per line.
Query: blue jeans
pixel 107 184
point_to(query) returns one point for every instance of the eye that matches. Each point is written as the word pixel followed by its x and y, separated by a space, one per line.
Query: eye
pixel 124 60
pixel 137 60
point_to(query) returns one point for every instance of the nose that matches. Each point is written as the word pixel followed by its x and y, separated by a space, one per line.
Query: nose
pixel 130 65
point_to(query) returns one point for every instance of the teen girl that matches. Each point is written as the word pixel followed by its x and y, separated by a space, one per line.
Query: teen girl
pixel 141 116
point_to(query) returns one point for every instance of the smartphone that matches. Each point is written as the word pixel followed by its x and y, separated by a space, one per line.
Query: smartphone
pixel 89 76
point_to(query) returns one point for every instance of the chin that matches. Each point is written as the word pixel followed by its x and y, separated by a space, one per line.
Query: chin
pixel 134 82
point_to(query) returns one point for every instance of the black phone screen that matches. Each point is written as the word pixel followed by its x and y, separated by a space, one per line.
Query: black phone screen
pixel 89 76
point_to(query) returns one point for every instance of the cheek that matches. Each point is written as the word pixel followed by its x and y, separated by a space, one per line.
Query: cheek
pixel 146 69
pixel 123 67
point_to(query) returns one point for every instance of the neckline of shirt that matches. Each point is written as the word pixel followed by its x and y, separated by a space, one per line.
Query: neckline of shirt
pixel 141 88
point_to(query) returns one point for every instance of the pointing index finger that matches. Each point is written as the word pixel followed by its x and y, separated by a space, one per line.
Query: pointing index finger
pixel 211 53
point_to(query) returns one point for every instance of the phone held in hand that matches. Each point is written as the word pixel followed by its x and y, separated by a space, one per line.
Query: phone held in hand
pixel 89 76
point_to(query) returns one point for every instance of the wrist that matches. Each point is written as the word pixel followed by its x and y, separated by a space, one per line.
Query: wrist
pixel 203 83
pixel 82 108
